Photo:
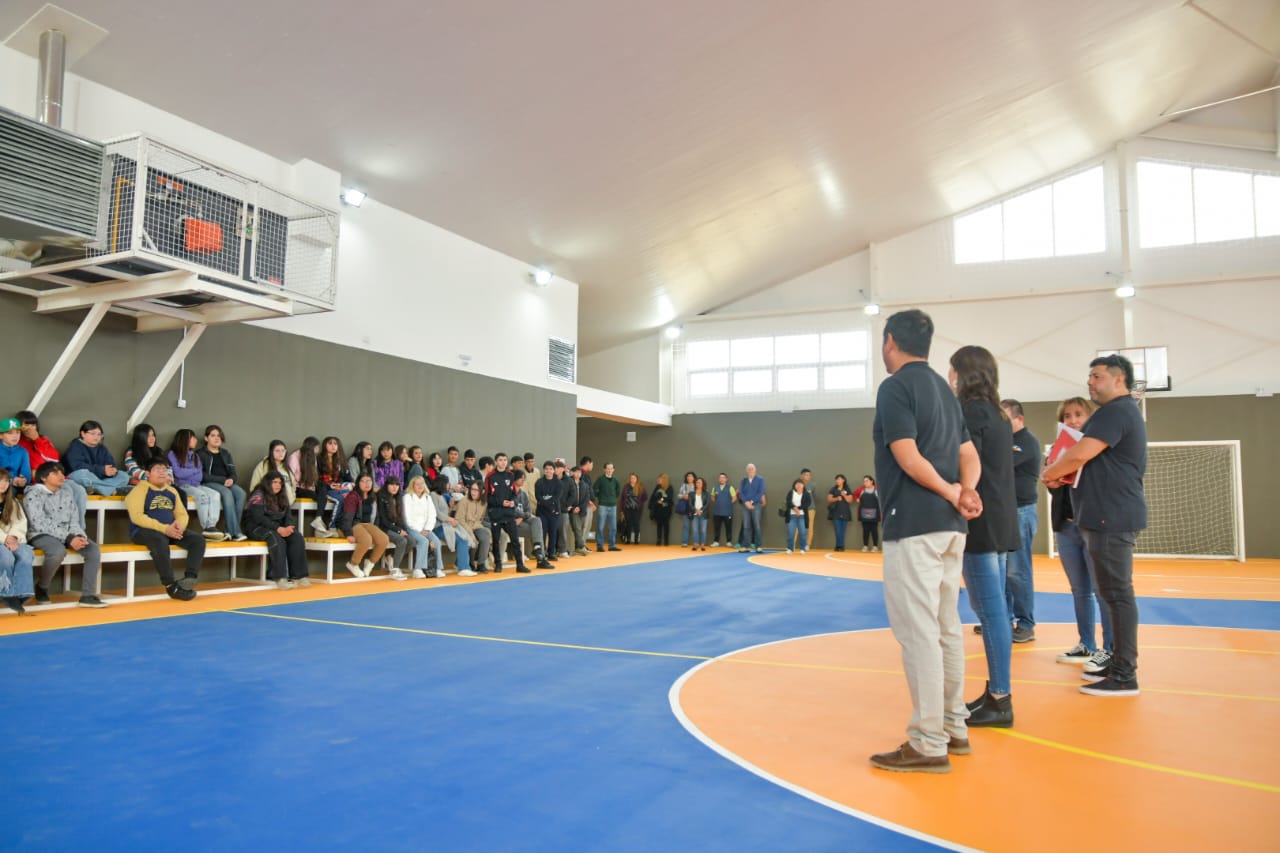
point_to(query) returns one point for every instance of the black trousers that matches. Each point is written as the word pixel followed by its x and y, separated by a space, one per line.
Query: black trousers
pixel 1112 554
pixel 550 533
pixel 286 556
pixel 631 526
pixel 508 525
pixel 158 544
pixel 722 524
pixel 871 533
pixel 663 525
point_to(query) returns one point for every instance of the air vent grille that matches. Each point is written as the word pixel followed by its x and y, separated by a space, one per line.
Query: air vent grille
pixel 51 183
pixel 562 360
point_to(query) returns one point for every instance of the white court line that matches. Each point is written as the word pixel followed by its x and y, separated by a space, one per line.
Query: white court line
pixel 673 696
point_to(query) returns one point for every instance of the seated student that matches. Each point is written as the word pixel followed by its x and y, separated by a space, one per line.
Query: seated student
pixel 470 514
pixel 275 461
pixel 142 446
pixel 419 526
pixel 90 463
pixel 158 519
pixel 391 522
pixel 331 462
pixel 16 556
pixel 359 525
pixel 386 465
pixel 450 532
pixel 304 467
pixel 189 478
pixel 41 450
pixel 53 526
pixel 417 464
pixel 361 462
pixel 528 524
pixel 13 456
pixel 219 473
pixel 268 518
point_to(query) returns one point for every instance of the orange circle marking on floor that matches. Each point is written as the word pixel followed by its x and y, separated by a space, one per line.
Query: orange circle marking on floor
pixel 1191 764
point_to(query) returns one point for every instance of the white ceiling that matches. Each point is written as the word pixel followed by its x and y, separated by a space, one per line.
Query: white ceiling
pixel 669 156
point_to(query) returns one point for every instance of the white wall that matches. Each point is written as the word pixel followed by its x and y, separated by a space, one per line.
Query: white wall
pixel 631 368
pixel 405 286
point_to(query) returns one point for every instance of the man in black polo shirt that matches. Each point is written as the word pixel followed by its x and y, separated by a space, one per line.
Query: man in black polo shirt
pixel 1111 507
pixel 500 486
pixel 1020 589
pixel 927 471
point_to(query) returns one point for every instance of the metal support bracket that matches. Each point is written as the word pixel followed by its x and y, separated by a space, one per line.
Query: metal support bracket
pixel 69 355
pixel 166 373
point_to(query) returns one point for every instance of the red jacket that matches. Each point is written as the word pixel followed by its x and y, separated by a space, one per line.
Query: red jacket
pixel 40 451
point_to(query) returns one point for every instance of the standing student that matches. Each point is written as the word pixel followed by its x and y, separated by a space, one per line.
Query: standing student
pixel 839 499
pixel 807 476
pixel 660 504
pixel 975 379
pixel 577 498
pixel 269 518
pixel 929 470
pixel 16 557
pixel 276 460
pixel 157 520
pixel 359 523
pixel 420 521
pixel 797 505
pixel 607 491
pixel 219 472
pixel 1073 413
pixel 1112 510
pixel 682 506
pixel 142 446
pixel 631 505
pixel 188 476
pixel 549 494
pixel 869 513
pixel 53 526
pixel 723 497
pixel 391 522
pixel 752 497
pixel 699 508
pixel 90 463
pixel 500 491
pixel 41 450
pixel 566 533
pixel 1019 579
pixel 529 524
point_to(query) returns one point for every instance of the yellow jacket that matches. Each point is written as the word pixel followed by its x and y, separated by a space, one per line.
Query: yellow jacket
pixel 136 502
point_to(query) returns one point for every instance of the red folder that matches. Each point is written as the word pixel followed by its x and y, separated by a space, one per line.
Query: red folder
pixel 1067 438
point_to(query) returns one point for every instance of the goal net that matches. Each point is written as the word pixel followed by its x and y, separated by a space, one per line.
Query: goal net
pixel 1195 501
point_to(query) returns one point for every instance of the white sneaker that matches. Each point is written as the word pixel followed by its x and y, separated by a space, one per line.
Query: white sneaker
pixel 355 570
pixel 318 525
pixel 865 549
pixel 418 574
pixel 285 583
pixel 788 550
pixel 333 533
pixel 804 550
pixel 239 537
pixel 715 544
pixel 387 562
pixel 565 555
pixel 466 573
pixel 367 566
pixel 397 575
pixel 303 582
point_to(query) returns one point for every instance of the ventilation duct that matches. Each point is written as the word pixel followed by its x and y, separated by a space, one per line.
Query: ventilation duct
pixel 51 183
pixel 562 360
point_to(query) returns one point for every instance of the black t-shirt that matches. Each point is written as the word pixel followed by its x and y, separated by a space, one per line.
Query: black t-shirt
pixel 1109 494
pixel 916 403
pixel 1026 466
pixel 996 529
pixel 840 509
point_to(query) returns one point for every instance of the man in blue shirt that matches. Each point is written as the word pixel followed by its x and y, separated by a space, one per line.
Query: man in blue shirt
pixel 751 496
pixel 927 470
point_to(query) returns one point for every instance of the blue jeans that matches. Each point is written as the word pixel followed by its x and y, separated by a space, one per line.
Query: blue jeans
pixel 1078 565
pixel 422 547
pixel 699 525
pixel 232 505
pixel 606 519
pixel 751 518
pixel 1020 587
pixel 796 526
pixel 841 525
pixel 984 578
pixel 105 486
pixel 461 547
pixel 685 528
pixel 16 580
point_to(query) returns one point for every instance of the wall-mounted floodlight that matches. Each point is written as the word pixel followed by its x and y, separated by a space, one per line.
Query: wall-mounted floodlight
pixel 353 197
pixel 540 277
pixel 871 309
pixel 672 332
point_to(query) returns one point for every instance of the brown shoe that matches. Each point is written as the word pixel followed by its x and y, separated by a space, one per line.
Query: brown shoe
pixel 959 746
pixel 905 759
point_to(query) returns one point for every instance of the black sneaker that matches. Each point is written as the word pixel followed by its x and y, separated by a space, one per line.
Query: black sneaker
pixel 14 603
pixel 1076 654
pixel 188 583
pixel 91 601
pixel 176 591
pixel 1099 663
pixel 614 548
pixel 544 564
pixel 42 595
pixel 994 713
pixel 1109 687
pixel 524 570
pixel 977 629
pixel 981 700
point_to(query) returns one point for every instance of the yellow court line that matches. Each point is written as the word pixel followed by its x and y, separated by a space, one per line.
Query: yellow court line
pixel 1142 765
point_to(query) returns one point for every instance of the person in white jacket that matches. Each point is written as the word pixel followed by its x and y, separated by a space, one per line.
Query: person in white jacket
pixel 420 525
pixel 16 556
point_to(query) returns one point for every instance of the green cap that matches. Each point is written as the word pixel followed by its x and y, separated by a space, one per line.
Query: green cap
pixel 9 423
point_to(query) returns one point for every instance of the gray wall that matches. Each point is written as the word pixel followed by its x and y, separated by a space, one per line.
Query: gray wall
pixel 839 441
pixel 259 384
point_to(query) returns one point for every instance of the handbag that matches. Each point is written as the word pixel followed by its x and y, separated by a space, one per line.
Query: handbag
pixel 682 506
pixel 869 513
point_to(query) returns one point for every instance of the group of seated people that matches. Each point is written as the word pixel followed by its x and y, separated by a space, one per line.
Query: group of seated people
pixel 386 503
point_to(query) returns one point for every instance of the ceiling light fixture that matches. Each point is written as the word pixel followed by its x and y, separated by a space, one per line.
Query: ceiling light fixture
pixel 540 277
pixel 673 332
pixel 1126 291
pixel 353 197
pixel 871 309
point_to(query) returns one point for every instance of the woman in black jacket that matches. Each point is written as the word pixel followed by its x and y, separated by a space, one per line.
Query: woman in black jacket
pixel 391 522
pixel 796 506
pixel 839 512
pixel 660 504
pixel 975 378
pixel 219 472
pixel 268 518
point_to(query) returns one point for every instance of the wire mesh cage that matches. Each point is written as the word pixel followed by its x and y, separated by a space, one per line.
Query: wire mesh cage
pixel 163 202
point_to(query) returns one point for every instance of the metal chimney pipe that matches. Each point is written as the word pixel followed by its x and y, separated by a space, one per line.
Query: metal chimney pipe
pixel 53 66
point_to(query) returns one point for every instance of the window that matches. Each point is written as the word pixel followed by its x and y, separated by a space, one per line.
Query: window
pixel 1179 204
pixel 808 363
pixel 1066 217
